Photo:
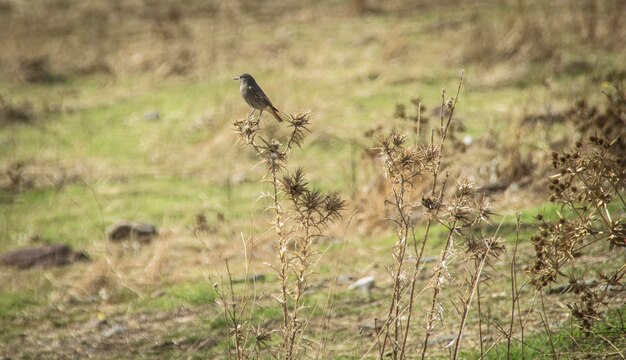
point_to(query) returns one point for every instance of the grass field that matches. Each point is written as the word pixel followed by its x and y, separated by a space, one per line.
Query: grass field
pixel 124 110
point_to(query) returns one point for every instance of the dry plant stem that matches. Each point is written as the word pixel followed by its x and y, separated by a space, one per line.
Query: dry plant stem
pixel 300 272
pixel 514 292
pixel 246 297
pixel 436 290
pixel 226 313
pixel 230 315
pixel 468 302
pixel 492 346
pixel 282 255
pixel 480 322
pixel 236 322
pixel 617 350
pixel 404 229
pixel 523 322
pixel 546 325
pixel 299 215
pixel 122 279
pixel 395 302
pixel 444 129
pixel 418 256
pixel 404 241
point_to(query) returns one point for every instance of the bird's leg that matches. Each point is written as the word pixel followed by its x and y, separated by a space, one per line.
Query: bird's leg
pixel 251 119
pixel 260 113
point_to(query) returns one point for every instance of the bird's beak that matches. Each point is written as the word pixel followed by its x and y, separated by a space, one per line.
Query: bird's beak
pixel 236 78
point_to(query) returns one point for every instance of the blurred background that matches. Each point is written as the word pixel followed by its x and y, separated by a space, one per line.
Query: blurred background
pixel 116 118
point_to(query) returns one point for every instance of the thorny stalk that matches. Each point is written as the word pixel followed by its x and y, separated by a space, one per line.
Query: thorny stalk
pixel 300 216
pixel 405 165
pixel 491 247
pixel 465 211
pixel 450 106
pixel 438 277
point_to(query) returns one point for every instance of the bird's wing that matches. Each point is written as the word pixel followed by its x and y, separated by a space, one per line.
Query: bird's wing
pixel 259 94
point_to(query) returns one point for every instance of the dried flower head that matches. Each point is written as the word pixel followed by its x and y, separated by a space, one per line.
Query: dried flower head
pixel 431 204
pixel 272 156
pixel 465 188
pixel 490 247
pixel 247 129
pixel 298 122
pixel 333 205
pixel 294 185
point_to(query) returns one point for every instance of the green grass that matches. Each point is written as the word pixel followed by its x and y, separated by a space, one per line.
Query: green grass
pixel 12 304
pixel 79 213
pixel 175 296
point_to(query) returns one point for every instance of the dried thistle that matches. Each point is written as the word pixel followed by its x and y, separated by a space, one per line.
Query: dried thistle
pixel 247 129
pixel 272 156
pixel 589 178
pixel 300 213
pixel 298 122
pixel 294 185
pixel 489 247
pixel 402 163
pixel 333 205
pixel 465 188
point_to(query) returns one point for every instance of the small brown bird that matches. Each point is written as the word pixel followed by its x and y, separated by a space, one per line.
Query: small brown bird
pixel 254 96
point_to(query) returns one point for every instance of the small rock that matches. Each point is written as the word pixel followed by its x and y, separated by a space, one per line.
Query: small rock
pixel 345 278
pixel 140 232
pixel 429 259
pixel 143 233
pixel 114 330
pixel 449 339
pixel 371 327
pixel 366 284
pixel 468 140
pixel 119 231
pixel 104 294
pixel 46 255
pixel 152 115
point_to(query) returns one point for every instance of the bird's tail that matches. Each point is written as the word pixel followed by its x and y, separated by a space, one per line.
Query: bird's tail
pixel 277 114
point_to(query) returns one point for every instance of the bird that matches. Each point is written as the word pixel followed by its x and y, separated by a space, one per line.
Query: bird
pixel 254 96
